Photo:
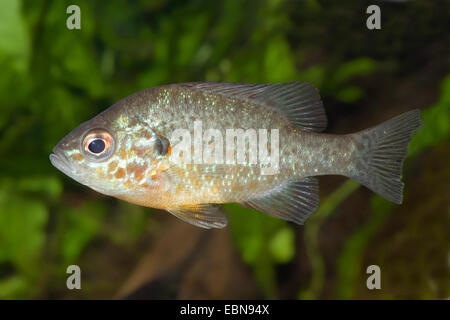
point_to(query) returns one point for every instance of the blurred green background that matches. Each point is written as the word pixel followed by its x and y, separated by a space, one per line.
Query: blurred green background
pixel 52 79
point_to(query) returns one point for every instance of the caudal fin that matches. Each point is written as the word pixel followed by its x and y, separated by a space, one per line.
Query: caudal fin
pixel 383 150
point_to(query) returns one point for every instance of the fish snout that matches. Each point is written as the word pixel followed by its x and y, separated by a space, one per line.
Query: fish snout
pixel 59 160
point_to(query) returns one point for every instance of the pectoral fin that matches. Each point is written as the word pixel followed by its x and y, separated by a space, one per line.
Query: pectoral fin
pixel 294 201
pixel 201 215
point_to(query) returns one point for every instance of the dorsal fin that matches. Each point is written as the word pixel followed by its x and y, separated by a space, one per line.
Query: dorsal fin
pixel 299 102
pixel 294 201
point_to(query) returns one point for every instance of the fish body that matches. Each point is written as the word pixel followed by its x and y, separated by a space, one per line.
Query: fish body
pixel 187 148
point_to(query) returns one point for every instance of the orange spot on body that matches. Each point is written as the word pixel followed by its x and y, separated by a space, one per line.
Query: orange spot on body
pixel 77 157
pixel 155 176
pixel 100 173
pixel 112 166
pixel 128 184
pixel 120 173
pixel 139 171
pixel 122 154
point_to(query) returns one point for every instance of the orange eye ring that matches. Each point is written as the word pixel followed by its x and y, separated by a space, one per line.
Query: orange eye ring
pixel 98 145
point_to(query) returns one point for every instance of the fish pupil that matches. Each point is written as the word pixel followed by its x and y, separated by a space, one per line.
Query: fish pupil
pixel 97 146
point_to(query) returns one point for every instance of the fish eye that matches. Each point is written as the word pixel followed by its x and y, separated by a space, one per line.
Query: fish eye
pixel 98 145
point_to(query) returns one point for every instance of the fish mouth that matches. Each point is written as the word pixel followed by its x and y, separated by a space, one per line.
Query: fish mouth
pixel 60 162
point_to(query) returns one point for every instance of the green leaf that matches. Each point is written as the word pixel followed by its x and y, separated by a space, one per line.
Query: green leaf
pixel 14 287
pixel 282 245
pixel 350 261
pixel 14 39
pixel 22 229
pixel 82 224
pixel 258 238
pixel 435 125
pixel 314 74
pixel 128 224
pixel 351 69
pixel 49 185
pixel 312 228
pixel 349 94
pixel 279 64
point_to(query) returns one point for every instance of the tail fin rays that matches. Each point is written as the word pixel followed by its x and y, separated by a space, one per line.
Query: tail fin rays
pixel 384 150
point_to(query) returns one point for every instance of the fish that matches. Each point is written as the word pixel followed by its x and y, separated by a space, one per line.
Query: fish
pixel 141 150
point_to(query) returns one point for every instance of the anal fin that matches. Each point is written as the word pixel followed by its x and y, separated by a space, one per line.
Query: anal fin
pixel 293 201
pixel 201 215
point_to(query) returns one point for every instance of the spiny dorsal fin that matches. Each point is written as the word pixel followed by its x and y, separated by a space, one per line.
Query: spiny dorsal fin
pixel 201 215
pixel 294 201
pixel 299 102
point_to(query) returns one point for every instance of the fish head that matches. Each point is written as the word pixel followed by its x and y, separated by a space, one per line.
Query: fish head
pixel 115 154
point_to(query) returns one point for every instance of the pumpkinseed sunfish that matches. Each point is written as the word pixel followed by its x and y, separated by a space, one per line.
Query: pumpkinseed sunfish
pixel 173 147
